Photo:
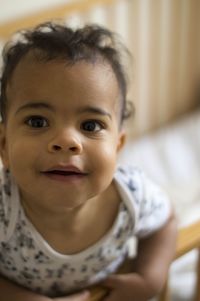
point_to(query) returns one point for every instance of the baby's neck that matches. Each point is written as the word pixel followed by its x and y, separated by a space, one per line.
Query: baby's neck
pixel 72 231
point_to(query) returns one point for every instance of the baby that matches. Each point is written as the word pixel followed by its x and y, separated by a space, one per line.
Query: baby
pixel 69 217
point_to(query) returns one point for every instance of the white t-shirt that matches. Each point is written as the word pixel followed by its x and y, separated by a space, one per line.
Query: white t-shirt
pixel 27 259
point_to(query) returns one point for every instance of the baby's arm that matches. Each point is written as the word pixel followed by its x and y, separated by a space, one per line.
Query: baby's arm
pixel 12 292
pixel 155 255
pixel 150 268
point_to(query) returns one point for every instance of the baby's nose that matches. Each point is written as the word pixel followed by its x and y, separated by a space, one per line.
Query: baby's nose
pixel 66 141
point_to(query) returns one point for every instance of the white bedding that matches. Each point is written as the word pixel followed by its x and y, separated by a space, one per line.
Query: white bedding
pixel 171 156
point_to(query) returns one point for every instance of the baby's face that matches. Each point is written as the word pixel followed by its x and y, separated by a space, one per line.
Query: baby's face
pixel 61 136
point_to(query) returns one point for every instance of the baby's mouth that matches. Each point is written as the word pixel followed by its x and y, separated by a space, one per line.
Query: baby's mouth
pixel 64 173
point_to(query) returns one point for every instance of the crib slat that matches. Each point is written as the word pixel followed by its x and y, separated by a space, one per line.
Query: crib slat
pixel 188 239
pixel 164 39
pixel 61 11
pixel 197 294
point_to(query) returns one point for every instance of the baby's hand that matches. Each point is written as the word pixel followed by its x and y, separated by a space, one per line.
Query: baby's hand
pixel 84 296
pixel 129 287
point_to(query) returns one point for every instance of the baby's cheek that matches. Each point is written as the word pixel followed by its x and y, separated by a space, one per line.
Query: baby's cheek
pixel 106 163
pixel 19 156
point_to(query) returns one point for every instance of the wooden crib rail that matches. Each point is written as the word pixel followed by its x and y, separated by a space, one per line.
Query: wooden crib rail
pixel 164 39
pixel 188 239
pixel 60 11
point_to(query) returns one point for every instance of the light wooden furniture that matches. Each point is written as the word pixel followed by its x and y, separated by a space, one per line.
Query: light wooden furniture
pixel 188 239
pixel 164 39
pixel 97 294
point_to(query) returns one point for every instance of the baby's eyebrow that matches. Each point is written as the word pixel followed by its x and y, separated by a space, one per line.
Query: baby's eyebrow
pixel 95 110
pixel 43 105
pixel 35 105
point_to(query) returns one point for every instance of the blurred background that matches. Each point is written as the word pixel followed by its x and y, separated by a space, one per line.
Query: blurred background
pixel 163 36
pixel 164 134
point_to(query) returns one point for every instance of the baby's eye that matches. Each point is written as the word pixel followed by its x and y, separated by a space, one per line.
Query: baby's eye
pixel 36 122
pixel 92 126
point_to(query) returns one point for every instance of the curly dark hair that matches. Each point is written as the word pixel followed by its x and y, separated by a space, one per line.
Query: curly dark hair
pixel 52 41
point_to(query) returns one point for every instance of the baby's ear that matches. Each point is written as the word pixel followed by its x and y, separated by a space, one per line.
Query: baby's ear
pixel 121 140
pixel 3 146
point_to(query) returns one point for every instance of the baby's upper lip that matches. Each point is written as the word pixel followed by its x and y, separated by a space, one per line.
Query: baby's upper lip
pixel 64 168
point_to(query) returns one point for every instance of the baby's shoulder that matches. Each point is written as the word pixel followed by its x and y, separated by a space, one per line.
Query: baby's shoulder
pixel 131 177
pixel 143 189
pixel 136 179
pixel 151 202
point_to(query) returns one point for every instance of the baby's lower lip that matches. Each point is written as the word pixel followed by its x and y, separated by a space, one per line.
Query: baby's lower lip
pixel 64 176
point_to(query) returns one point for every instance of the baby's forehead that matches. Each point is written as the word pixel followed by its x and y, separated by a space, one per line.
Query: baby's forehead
pixel 36 58
pixel 83 84
pixel 97 77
